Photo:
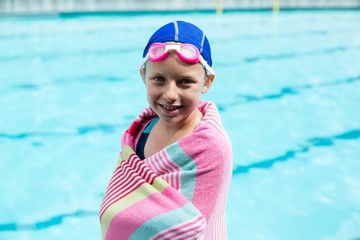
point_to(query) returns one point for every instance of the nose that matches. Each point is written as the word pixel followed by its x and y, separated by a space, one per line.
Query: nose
pixel 171 92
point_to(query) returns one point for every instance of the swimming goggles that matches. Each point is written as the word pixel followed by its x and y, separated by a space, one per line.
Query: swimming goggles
pixel 186 52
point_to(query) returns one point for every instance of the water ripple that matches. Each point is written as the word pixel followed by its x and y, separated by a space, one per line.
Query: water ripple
pixel 46 223
pixel 294 90
pixel 86 78
pixel 299 54
pixel 290 154
pixel 104 128
pixel 51 56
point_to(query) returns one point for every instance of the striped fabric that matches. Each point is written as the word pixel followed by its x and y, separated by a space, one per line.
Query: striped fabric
pixel 178 193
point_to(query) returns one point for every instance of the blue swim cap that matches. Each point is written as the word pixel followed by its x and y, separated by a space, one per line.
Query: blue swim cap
pixel 183 32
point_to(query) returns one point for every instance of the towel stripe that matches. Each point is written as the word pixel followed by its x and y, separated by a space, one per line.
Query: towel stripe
pixel 165 221
pixel 185 162
pixel 187 230
pixel 121 184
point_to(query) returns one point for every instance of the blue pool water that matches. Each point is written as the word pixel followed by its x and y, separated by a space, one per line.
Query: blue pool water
pixel 287 86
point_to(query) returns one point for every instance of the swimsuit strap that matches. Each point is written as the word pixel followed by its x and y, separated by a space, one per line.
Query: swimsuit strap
pixel 140 147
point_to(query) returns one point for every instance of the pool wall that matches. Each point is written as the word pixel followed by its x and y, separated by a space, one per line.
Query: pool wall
pixel 70 6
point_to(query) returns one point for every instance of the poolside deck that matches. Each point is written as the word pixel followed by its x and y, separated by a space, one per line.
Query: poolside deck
pixel 9 7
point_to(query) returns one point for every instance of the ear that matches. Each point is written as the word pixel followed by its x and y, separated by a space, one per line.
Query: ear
pixel 142 73
pixel 209 79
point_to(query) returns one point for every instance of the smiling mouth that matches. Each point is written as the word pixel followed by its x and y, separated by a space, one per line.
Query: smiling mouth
pixel 169 108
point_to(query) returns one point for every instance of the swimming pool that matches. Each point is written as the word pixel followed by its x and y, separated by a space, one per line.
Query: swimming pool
pixel 287 87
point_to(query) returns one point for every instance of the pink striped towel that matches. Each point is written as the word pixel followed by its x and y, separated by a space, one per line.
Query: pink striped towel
pixel 178 193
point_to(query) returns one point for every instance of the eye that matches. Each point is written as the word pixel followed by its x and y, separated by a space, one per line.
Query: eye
pixel 158 79
pixel 185 81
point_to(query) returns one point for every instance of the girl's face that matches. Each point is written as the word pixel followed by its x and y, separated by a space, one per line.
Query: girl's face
pixel 174 89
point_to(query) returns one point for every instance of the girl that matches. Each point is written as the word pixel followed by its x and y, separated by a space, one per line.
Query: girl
pixel 174 170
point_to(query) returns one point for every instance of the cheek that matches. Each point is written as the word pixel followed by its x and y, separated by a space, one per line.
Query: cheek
pixel 151 92
pixel 193 95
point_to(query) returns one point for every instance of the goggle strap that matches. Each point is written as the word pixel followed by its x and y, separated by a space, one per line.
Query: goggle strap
pixel 207 67
pixel 143 61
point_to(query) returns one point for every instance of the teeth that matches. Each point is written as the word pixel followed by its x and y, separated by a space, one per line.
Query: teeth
pixel 170 108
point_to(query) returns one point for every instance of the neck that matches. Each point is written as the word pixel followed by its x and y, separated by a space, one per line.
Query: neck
pixel 183 128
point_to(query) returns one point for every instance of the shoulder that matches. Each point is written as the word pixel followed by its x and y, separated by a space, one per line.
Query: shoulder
pixel 210 127
pixel 209 140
